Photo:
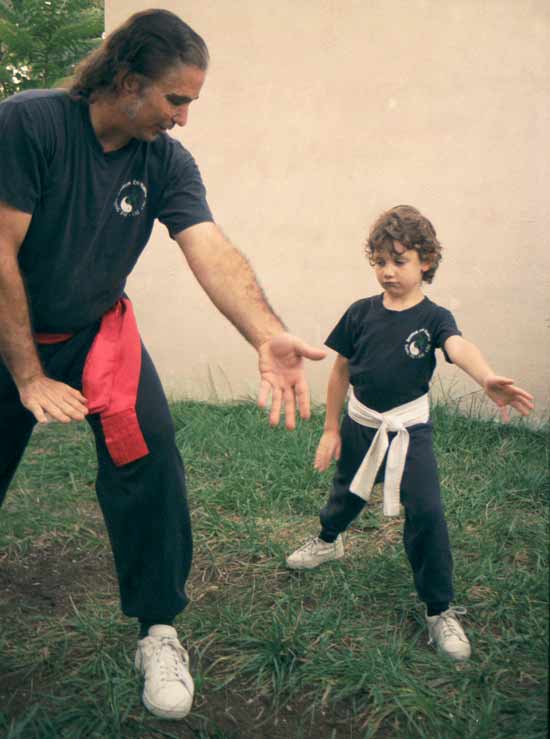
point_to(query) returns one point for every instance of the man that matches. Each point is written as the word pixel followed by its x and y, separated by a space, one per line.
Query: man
pixel 84 175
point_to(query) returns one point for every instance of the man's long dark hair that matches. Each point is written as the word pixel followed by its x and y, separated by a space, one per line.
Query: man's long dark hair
pixel 148 44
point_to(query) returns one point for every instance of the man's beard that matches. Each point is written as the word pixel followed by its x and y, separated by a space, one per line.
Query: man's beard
pixel 132 108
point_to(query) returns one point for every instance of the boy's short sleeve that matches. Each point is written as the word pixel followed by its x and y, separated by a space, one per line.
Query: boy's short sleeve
pixel 445 327
pixel 23 166
pixel 184 197
pixel 341 337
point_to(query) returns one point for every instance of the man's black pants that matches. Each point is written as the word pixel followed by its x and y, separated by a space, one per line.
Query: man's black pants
pixel 144 503
pixel 425 533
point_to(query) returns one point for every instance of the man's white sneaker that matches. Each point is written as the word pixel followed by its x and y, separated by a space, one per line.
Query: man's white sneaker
pixel 447 633
pixel 313 553
pixel 168 690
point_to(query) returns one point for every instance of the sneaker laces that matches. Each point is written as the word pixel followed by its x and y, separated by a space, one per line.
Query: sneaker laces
pixel 448 623
pixel 169 655
pixel 312 543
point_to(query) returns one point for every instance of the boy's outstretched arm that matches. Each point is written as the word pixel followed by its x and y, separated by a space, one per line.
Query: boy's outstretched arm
pixel 330 444
pixel 501 390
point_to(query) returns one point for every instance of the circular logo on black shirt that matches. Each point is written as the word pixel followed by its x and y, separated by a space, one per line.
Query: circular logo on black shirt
pixel 131 198
pixel 418 344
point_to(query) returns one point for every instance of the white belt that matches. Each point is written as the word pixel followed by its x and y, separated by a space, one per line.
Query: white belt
pixel 397 419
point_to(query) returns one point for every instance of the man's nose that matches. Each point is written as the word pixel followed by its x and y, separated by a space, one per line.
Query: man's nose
pixel 180 118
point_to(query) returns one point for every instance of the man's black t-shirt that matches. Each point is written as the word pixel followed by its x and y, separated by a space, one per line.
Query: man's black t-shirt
pixel 391 353
pixel 92 212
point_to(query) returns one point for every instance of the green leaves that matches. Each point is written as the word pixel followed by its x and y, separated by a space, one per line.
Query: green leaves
pixel 41 41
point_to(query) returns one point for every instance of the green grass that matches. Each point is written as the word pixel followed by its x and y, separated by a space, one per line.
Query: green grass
pixel 335 653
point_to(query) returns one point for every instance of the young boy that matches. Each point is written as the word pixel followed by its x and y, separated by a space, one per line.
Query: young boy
pixel 386 350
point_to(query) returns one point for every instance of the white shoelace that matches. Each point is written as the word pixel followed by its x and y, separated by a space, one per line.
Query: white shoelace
pixel 449 625
pixel 169 655
pixel 313 543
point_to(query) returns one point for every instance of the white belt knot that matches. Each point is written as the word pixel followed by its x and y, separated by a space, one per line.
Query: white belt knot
pixel 396 420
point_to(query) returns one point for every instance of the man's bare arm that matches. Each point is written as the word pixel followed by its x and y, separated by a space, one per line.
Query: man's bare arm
pixel 17 347
pixel 229 281
pixel 41 395
pixel 231 284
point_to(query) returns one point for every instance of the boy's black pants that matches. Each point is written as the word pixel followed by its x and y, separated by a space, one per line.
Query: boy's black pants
pixel 425 533
pixel 144 503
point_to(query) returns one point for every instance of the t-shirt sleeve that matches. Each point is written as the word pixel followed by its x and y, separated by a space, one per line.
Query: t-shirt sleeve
pixel 183 202
pixel 445 327
pixel 341 337
pixel 23 164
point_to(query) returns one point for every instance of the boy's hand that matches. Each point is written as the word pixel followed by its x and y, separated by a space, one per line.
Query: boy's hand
pixel 329 448
pixel 504 393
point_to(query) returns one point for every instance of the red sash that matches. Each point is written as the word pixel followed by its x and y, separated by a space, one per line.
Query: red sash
pixel 110 381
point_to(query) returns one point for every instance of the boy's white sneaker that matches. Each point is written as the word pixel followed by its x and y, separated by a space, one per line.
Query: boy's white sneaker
pixel 446 633
pixel 168 689
pixel 314 552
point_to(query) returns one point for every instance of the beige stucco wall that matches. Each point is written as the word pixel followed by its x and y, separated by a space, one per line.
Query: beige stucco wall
pixel 317 115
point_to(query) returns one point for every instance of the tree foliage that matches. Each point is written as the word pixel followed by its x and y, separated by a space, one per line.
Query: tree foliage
pixel 42 40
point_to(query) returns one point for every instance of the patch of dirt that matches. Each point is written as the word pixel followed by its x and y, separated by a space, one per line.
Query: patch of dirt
pixel 55 575
pixel 50 574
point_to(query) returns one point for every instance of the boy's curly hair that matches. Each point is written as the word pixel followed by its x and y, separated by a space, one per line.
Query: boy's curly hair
pixel 407 225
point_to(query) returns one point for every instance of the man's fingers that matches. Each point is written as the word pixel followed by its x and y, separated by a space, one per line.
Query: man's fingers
pixel 303 400
pixel 77 395
pixel 45 412
pixel 57 414
pixel 38 413
pixel 276 400
pixel 290 409
pixel 310 352
pixel 263 394
pixel 76 406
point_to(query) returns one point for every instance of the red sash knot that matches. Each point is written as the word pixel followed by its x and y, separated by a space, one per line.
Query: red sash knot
pixel 110 382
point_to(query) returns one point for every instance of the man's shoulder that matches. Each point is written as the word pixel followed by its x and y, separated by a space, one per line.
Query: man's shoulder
pixel 40 99
pixel 40 111
pixel 168 149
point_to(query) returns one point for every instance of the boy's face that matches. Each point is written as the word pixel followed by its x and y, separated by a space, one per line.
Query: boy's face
pixel 399 272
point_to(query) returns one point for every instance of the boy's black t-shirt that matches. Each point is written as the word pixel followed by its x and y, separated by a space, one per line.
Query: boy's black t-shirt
pixel 92 212
pixel 391 353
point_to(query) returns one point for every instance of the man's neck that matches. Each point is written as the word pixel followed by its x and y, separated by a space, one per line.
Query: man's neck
pixel 107 124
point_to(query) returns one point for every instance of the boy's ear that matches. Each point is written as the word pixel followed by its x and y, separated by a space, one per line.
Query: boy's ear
pixel 425 266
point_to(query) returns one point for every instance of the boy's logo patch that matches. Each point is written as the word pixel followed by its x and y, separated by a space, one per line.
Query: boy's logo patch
pixel 418 344
pixel 131 198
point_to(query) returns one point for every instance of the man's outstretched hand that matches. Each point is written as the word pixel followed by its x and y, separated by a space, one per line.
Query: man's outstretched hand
pixel 282 375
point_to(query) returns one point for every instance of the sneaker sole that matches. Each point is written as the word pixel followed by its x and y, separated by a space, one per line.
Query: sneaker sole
pixel 449 655
pixel 162 713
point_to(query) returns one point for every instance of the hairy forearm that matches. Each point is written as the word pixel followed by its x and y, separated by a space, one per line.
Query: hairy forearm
pixel 17 346
pixel 338 385
pixel 235 291
pixel 230 283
